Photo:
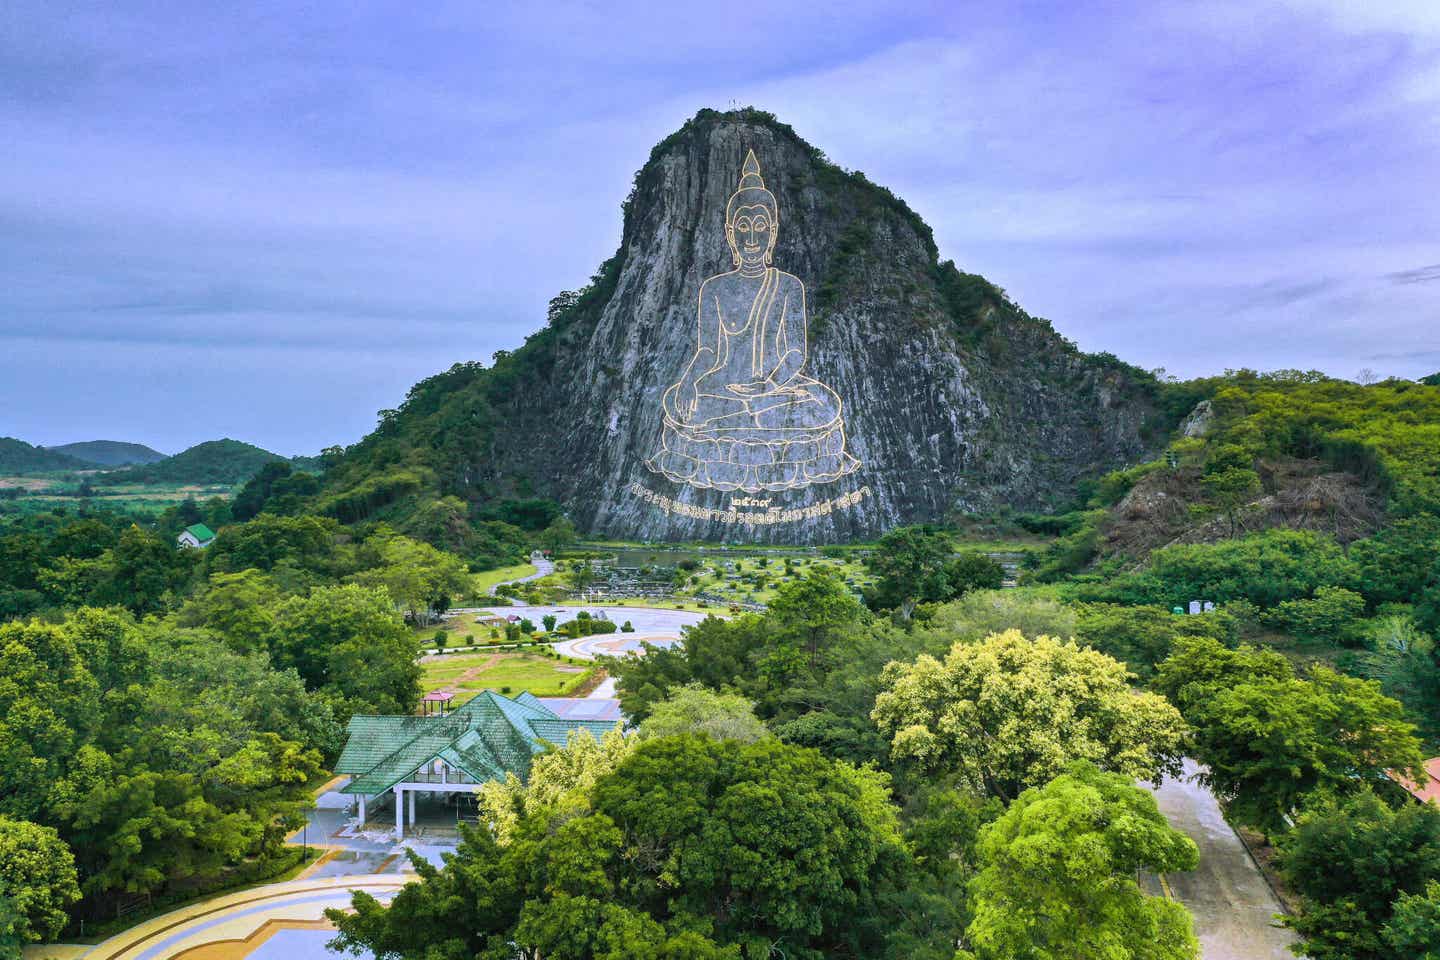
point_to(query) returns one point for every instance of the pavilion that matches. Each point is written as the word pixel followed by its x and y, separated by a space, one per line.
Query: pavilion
pixel 456 752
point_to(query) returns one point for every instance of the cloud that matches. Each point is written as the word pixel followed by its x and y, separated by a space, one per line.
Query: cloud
pixel 249 188
pixel 1426 274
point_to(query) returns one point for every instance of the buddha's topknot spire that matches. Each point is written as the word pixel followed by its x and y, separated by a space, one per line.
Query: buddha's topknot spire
pixel 750 173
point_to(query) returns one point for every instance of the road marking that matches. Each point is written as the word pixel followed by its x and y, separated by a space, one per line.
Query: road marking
pixel 1165 886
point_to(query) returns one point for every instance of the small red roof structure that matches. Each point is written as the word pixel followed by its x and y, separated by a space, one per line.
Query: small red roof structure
pixel 1427 792
pixel 436 701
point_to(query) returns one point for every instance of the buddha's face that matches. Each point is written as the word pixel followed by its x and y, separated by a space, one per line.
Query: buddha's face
pixel 752 235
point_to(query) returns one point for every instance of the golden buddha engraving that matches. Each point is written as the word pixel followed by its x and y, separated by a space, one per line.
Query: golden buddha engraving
pixel 744 415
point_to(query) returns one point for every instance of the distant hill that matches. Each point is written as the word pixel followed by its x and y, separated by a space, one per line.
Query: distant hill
pixel 215 461
pixel 17 456
pixel 109 453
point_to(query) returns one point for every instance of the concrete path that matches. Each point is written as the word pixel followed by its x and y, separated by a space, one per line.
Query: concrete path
pixel 543 568
pixel 276 920
pixel 654 625
pixel 1232 904
pixel 605 691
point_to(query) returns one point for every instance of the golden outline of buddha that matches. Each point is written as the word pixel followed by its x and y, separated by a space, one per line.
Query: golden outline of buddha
pixel 743 415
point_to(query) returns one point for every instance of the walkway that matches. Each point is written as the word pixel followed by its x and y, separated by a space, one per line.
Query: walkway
pixel 543 568
pixel 273 921
pixel 653 625
pixel 1232 904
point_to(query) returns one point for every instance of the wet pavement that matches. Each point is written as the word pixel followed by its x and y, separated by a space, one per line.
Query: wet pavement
pixel 1233 906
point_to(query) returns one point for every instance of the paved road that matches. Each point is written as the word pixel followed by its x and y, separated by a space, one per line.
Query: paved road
pixel 543 568
pixel 1233 907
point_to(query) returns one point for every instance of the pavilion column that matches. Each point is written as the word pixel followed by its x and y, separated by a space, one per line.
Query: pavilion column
pixel 362 811
pixel 410 796
pixel 399 813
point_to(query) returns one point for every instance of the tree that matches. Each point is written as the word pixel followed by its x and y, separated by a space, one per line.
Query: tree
pixel 559 535
pixel 37 879
pixel 806 617
pixel 238 606
pixel 1009 713
pixel 580 575
pixel 349 640
pixel 912 565
pixel 688 848
pixel 49 706
pixel 417 576
pixel 548 621
pixel 696 709
pixel 1403 660
pixel 1351 859
pixel 1414 926
pixel 1058 871
pixel 973 570
pixel 1141 636
pixel 1332 616
pixel 1269 738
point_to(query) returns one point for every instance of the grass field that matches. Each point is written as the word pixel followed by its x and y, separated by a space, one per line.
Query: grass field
pixel 489 578
pixel 470 673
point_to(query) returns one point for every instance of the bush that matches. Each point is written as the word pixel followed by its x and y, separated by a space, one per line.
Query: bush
pixel 505 690
pixel 627 627
pixel 1332 616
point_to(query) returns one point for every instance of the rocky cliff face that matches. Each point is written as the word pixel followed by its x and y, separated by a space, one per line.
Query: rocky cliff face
pixel 955 399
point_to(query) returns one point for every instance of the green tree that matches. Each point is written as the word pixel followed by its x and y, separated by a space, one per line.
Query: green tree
pixel 238 606
pixel 1351 859
pixel 1413 929
pixel 37 878
pixel 559 535
pixel 1140 636
pixel 697 709
pixel 911 565
pixel 1009 713
pixel 350 641
pixel 417 576
pixel 1332 616
pixel 1058 871
pixel 1269 739
pixel 973 570
pixel 49 707
pixel 688 848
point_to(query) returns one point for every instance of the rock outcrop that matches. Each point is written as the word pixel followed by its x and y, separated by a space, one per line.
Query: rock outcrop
pixel 955 399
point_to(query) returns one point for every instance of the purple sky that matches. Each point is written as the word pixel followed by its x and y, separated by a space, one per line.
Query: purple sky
pixel 267 220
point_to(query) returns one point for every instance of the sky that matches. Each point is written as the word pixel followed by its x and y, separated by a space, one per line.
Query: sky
pixel 266 220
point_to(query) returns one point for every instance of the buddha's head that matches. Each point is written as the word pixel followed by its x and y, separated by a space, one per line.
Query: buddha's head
pixel 752 218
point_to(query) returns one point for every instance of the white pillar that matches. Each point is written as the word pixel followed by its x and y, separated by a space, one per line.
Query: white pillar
pixel 399 813
pixel 362 811
pixel 410 796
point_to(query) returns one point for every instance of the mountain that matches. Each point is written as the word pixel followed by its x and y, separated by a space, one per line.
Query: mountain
pixel 214 461
pixel 110 453
pixel 953 398
pixel 17 456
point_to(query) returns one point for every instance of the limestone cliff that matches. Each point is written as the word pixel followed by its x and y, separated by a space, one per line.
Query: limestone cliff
pixel 955 399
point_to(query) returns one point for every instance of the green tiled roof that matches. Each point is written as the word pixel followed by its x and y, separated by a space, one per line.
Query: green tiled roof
pixel 486 738
pixel 200 532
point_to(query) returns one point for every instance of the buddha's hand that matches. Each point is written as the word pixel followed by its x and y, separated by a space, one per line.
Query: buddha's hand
pixel 757 388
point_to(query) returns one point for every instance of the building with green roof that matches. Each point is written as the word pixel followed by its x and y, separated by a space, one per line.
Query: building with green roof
pixel 196 535
pixel 482 740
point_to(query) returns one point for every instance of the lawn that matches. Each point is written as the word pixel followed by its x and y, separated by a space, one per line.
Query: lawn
pixel 489 578
pixel 470 673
